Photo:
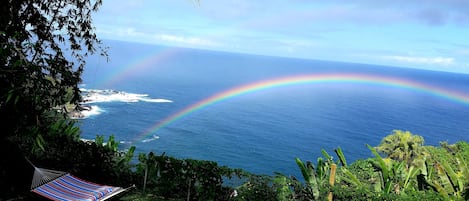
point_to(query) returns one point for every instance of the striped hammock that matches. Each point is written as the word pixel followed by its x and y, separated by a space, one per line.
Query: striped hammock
pixel 57 185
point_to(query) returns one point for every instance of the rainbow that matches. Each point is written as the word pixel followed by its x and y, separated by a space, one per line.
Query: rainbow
pixel 365 79
pixel 151 59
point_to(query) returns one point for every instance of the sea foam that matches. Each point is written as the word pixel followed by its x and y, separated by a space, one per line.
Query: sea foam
pixel 108 95
pixel 94 110
pixel 91 97
pixel 154 137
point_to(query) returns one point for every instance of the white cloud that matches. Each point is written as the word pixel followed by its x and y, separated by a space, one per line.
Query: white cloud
pixel 185 40
pixel 421 60
pixel 119 32
pixel 133 34
pixel 319 29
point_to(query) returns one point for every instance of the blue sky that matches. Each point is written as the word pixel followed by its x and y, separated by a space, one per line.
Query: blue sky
pixel 430 34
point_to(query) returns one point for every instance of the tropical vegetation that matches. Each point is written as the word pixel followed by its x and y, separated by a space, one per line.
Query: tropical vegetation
pixel 43 49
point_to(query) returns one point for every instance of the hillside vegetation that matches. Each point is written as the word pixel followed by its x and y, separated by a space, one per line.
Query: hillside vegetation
pixel 402 168
pixel 44 45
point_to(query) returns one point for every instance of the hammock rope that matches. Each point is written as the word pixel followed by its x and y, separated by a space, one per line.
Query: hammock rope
pixel 42 176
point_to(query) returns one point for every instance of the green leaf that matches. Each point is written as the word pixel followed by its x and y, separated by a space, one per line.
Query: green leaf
pixel 457 183
pixel 443 179
pixel 411 173
pixel 386 177
pixel 440 189
pixel 321 168
pixel 341 156
pixel 40 142
pixel 326 155
pixel 304 170
pixel 309 175
pixel 313 181
pixel 382 164
pixel 463 167
pixel 10 94
pixel 351 178
pixel 99 140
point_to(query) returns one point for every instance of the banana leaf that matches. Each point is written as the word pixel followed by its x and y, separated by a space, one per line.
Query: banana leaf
pixel 341 156
pixel 309 175
pixel 351 178
pixel 386 179
pixel 456 181
pixel 443 180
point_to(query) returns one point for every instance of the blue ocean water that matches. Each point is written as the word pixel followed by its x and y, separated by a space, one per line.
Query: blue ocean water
pixel 263 131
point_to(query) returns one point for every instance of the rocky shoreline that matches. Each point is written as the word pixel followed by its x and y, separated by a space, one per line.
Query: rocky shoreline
pixel 77 112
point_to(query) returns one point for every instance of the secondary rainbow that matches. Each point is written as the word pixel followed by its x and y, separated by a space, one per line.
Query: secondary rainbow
pixel 143 63
pixel 365 79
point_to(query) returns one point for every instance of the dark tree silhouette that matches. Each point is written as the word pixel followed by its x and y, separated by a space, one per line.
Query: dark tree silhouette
pixel 43 47
pixel 44 44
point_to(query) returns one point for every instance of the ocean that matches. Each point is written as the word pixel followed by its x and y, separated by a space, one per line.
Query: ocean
pixel 259 112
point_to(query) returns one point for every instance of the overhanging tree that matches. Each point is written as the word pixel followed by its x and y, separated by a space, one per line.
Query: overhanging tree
pixel 44 44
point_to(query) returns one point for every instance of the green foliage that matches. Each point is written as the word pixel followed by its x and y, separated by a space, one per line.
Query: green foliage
pixel 65 127
pixel 112 144
pixel 318 180
pixel 190 179
pixel 309 176
pixel 361 180
pixel 341 156
pixel 37 76
pixel 282 184
pixel 99 140
pixel 365 172
pixel 448 172
pixel 403 146
pixel 258 187
pixel 385 168
pixel 346 193
pixel 431 173
pixel 351 178
pixel 87 160
pixel 43 47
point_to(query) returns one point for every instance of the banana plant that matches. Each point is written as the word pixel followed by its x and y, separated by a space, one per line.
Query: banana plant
pixel 395 175
pixel 111 143
pixel 350 178
pixel 347 175
pixel 448 180
pixel 150 166
pixel 309 175
pixel 327 168
pixel 325 172
pixel 126 157
pixel 386 182
pixel 341 156
pixel 412 172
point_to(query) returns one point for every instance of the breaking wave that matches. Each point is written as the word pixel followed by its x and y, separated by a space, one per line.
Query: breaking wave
pixel 154 137
pixel 108 95
pixel 92 97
